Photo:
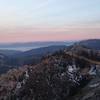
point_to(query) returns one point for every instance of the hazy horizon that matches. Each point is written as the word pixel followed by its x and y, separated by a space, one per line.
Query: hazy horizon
pixel 32 45
pixel 22 42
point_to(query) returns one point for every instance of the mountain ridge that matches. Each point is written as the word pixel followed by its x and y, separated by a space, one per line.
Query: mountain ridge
pixel 91 43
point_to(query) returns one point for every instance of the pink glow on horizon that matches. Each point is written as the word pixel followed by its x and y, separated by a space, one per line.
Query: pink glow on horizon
pixel 45 34
pixel 46 37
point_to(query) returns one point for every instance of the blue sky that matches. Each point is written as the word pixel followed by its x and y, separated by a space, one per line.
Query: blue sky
pixel 48 15
pixel 51 12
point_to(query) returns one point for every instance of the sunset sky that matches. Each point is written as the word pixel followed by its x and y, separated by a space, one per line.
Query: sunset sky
pixel 49 20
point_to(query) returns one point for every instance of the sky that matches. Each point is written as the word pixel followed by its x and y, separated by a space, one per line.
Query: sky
pixel 49 20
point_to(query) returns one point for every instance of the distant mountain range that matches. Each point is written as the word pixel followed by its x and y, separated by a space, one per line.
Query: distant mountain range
pixel 32 45
pixel 14 58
